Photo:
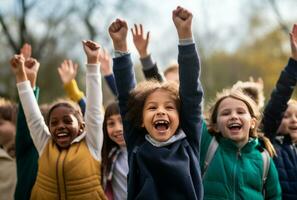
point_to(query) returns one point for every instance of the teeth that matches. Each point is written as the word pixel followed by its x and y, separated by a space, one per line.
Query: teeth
pixel 161 122
pixel 234 126
pixel 62 134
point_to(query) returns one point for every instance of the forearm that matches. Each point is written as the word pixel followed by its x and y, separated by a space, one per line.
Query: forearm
pixel 94 115
pixel 37 127
pixel 280 96
pixel 23 138
pixel 191 92
pixel 111 83
pixel 150 69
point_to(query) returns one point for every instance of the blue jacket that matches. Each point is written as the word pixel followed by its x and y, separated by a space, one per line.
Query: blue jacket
pixel 286 159
pixel 172 171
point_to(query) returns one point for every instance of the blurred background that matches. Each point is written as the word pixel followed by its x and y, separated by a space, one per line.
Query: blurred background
pixel 236 38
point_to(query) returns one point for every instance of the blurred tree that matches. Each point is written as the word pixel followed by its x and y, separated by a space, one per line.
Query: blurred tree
pixel 54 30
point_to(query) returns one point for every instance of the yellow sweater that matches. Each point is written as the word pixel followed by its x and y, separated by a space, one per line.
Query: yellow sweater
pixel 70 173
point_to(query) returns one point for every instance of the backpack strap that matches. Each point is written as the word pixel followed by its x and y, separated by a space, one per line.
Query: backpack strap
pixel 212 148
pixel 266 164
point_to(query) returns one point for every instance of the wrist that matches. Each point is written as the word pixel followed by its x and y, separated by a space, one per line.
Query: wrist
pixel 92 60
pixel 143 54
pixel 120 46
pixel 21 77
pixel 184 34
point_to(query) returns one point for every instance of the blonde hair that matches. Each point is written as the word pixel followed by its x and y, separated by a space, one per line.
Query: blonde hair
pixel 254 89
pixel 253 110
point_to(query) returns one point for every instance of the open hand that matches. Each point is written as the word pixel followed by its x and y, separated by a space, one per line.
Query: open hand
pixel 67 71
pixel 140 40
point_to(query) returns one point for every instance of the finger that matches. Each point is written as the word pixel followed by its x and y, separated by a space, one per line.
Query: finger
pixel 148 36
pixel 141 29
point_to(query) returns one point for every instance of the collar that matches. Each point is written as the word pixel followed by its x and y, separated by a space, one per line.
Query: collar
pixel 178 136
pixel 79 138
pixel 230 144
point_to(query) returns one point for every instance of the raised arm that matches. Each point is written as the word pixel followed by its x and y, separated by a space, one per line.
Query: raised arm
pixel 282 92
pixel 141 42
pixel 24 142
pixel 94 114
pixel 122 64
pixel 23 71
pixel 105 60
pixel 124 74
pixel 189 71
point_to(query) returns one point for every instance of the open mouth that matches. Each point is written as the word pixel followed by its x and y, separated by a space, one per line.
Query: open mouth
pixel 161 125
pixel 62 136
pixel 234 126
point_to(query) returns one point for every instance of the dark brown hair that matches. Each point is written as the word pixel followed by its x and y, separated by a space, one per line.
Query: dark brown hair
pixel 108 144
pixel 8 110
pixel 75 110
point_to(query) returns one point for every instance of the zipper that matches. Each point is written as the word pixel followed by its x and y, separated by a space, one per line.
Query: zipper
pixel 63 168
pixel 238 155
pixel 57 174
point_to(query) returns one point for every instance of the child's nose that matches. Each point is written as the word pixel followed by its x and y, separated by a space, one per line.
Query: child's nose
pixel 161 111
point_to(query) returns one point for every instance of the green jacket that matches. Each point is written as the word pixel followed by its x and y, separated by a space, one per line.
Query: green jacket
pixel 26 156
pixel 237 173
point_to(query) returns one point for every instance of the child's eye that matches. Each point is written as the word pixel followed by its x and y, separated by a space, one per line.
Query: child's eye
pixel 151 108
pixel 110 124
pixel 170 107
pixel 54 123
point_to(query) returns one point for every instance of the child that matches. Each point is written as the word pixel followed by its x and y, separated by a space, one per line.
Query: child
pixel 7 149
pixel 161 123
pixel 69 156
pixel 280 118
pixel 237 169
pixel 26 153
pixel 114 154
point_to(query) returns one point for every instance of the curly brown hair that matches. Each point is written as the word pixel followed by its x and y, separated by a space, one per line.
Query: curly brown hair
pixel 140 93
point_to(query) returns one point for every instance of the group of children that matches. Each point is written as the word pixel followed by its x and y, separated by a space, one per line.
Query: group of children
pixel 154 142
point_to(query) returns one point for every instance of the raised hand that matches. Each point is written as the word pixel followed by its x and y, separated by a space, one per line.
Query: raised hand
pixel 17 63
pixel 293 42
pixel 182 19
pixel 118 32
pixel 140 41
pixel 26 51
pixel 67 71
pixel 31 70
pixel 92 51
pixel 105 60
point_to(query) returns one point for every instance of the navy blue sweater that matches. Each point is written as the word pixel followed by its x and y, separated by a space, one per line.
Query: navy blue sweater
pixel 172 171
pixel 286 159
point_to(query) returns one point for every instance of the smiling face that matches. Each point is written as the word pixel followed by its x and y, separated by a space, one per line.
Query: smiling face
pixel 289 122
pixel 234 120
pixel 160 115
pixel 64 126
pixel 115 129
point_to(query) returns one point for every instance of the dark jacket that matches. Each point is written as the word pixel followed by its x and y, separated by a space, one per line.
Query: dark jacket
pixel 286 159
pixel 26 156
pixel 172 171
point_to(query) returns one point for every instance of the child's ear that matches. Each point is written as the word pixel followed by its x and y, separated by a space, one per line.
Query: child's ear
pixel 253 123
pixel 81 128
pixel 142 125
pixel 215 128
